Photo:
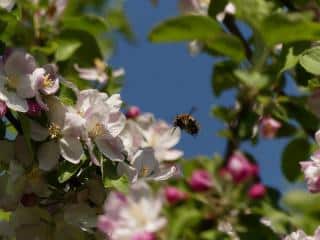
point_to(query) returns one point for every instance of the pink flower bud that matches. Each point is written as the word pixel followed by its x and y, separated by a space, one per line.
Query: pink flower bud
pixel 257 191
pixel 3 109
pixel 144 236
pixel 240 168
pixel 269 127
pixel 200 180
pixel 34 109
pixel 133 112
pixel 174 195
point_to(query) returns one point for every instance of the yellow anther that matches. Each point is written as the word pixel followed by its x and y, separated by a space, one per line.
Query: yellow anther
pixel 98 130
pixel 144 171
pixel 47 82
pixel 54 131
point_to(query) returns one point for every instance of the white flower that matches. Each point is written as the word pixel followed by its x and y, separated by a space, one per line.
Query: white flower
pixel 161 137
pixel 15 82
pixel 145 165
pixel 230 8
pixel 98 72
pixel 44 81
pixel 7 4
pixel 137 214
pixel 103 122
pixel 64 131
pixel 300 235
pixel 194 6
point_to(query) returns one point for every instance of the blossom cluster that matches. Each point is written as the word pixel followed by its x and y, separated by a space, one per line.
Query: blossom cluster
pixel 301 235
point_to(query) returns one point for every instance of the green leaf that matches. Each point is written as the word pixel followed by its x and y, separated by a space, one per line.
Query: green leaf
pixel 227 45
pixel 121 184
pixel 297 150
pixel 94 25
pixel 302 202
pixel 310 60
pixel 285 28
pixel 66 48
pixel 185 28
pixel 253 80
pixel 25 124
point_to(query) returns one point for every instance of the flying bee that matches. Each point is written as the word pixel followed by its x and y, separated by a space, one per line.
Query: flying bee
pixel 187 123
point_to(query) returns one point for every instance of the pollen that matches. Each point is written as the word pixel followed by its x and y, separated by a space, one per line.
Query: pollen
pixel 47 81
pixel 98 130
pixel 54 131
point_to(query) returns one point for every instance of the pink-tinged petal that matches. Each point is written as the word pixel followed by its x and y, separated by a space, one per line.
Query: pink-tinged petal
pixel 169 138
pixel 116 123
pixel 145 162
pixel 115 102
pixel 200 180
pixel 16 103
pixel 257 191
pixel 73 124
pixel 24 87
pixel 174 195
pixel 71 149
pixel 19 63
pixel 37 132
pixel 57 111
pixel 92 155
pixel 3 109
pixel 90 74
pixel 48 155
pixel 41 103
pixel 36 78
pixel 169 155
pixel 105 224
pixel 165 173
pixel 133 112
pixel 111 147
pixel 317 234
pixel 7 4
pixel 144 236
pixel 156 225
pixel 124 169
pixel 189 6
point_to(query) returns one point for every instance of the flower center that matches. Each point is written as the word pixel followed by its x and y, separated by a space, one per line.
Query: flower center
pixel 12 83
pixel 100 65
pixel 47 81
pixel 98 130
pixel 54 131
pixel 144 171
pixel 34 175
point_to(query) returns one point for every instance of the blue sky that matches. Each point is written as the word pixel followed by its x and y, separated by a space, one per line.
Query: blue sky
pixel 166 80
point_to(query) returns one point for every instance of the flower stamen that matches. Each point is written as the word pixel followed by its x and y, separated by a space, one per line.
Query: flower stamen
pixel 54 131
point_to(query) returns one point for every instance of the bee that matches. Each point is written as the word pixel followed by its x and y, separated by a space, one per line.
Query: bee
pixel 187 123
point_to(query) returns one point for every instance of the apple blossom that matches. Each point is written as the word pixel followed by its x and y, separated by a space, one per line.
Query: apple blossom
pixel 44 81
pixel 145 165
pixel 34 109
pixel 64 132
pixel 103 123
pixel 98 72
pixel 311 171
pixel 161 138
pixel 15 83
pixel 194 6
pixel 269 127
pixel 132 216
pixel 200 180
pixel 301 235
pixel 240 168
pixel 7 4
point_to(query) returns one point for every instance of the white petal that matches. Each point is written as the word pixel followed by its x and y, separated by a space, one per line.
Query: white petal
pixel 111 147
pixel 48 155
pixel 57 111
pixel 16 103
pixel 170 138
pixel 71 149
pixel 38 133
pixel 169 155
pixel 116 123
pixel 115 102
pixel 19 63
pixel 127 170
pixel 25 88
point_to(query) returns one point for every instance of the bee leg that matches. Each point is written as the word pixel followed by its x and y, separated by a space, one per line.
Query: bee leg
pixel 173 129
